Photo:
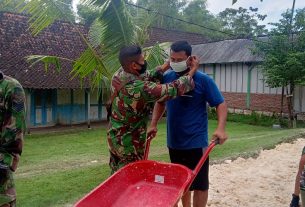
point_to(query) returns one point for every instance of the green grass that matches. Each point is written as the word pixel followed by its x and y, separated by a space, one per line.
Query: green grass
pixel 57 169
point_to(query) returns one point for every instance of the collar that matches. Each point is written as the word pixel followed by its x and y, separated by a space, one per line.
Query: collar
pixel 131 75
pixel 123 77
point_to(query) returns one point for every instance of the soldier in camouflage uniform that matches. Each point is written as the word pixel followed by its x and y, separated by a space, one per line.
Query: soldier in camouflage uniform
pixel 12 120
pixel 137 91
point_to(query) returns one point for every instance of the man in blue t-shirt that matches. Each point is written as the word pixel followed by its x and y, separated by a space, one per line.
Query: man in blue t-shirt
pixel 187 120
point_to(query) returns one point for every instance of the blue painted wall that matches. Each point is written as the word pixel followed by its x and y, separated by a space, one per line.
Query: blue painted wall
pixel 68 113
pixel 78 115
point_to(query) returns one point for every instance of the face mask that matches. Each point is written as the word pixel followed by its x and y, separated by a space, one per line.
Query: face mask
pixel 179 67
pixel 143 67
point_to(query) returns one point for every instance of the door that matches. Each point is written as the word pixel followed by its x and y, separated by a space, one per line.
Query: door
pixel 43 102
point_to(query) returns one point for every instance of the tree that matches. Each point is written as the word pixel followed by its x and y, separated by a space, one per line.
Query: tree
pixel 243 22
pixel 192 11
pixel 87 14
pixel 170 7
pixel 284 55
pixel 234 1
pixel 66 7
pixel 196 11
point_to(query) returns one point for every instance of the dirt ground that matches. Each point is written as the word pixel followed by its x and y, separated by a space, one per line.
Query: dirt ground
pixel 265 181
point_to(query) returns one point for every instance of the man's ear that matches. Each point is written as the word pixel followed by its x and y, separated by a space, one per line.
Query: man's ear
pixel 133 66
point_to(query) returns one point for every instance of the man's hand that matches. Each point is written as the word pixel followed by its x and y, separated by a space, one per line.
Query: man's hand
pixel 193 63
pixel 221 135
pixel 152 132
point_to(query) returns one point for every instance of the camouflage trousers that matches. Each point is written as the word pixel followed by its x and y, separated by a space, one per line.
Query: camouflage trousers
pixel 118 161
pixel 7 189
pixel 125 149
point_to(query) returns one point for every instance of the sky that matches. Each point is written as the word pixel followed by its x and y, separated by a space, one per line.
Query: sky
pixel 273 8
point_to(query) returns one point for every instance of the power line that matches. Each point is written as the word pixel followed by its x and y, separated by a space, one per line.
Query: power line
pixel 178 19
pixel 192 23
pixel 195 24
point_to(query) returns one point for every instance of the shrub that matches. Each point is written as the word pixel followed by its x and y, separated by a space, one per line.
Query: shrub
pixel 253 119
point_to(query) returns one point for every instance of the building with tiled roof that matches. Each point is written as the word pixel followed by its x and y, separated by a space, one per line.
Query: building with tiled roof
pixel 54 97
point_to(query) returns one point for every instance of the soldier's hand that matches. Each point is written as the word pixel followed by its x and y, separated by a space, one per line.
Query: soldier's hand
pixel 165 66
pixel 152 132
pixel 193 62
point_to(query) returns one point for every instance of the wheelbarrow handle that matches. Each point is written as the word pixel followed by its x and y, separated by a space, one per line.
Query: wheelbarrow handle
pixel 146 151
pixel 201 162
pixel 204 157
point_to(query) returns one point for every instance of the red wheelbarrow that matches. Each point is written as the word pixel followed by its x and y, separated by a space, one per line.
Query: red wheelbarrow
pixel 144 183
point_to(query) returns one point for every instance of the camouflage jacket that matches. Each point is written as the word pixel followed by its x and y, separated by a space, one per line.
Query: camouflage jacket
pixel 12 121
pixel 132 106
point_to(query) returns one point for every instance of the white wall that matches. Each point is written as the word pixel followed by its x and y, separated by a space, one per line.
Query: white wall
pixel 299 99
pixel 233 77
pixel 208 69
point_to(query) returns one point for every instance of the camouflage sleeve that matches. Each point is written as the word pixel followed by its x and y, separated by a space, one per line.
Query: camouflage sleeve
pixel 154 75
pixel 14 126
pixel 153 92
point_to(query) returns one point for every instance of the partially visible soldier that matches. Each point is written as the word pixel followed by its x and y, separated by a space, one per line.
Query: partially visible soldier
pixel 299 185
pixel 12 126
pixel 135 92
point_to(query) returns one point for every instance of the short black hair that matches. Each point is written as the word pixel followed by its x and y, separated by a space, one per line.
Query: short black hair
pixel 129 54
pixel 182 46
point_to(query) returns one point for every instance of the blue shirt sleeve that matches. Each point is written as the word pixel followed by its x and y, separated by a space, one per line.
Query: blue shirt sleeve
pixel 169 76
pixel 212 93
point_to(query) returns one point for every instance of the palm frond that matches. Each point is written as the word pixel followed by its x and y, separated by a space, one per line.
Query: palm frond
pixel 114 28
pixel 104 88
pixel 47 61
pixel 89 64
pixel 111 31
pixel 156 54
pixel 43 13
pixel 18 3
pixel 143 20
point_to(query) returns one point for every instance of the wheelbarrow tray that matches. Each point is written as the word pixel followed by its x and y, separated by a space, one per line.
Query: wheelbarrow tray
pixel 143 183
